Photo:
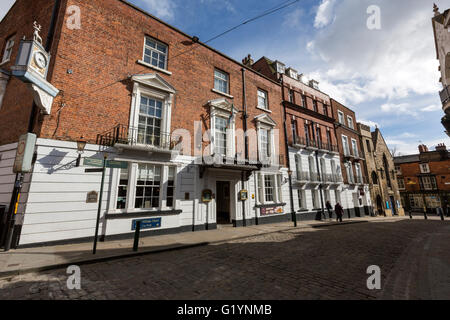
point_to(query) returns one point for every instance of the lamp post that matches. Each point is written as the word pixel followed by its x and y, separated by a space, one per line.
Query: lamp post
pixel 81 144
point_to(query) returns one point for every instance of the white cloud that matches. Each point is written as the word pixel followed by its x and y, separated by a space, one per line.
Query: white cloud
pixel 410 146
pixel 5 5
pixel 227 5
pixel 431 108
pixel 371 124
pixel 324 14
pixel 364 65
pixel 293 19
pixel 395 108
pixel 164 9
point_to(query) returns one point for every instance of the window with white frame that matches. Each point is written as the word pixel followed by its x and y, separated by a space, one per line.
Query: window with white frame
pixel 221 81
pixel 148 186
pixel 8 49
pixel 303 101
pixel 122 189
pixel 301 199
pixel 424 168
pixel 220 136
pixel 298 166
pixel 145 186
pixel 315 198
pixel 170 198
pixel 349 169
pixel 345 145
pixel 155 53
pixel 262 100
pixel 428 183
pixel 269 188
pixel 312 168
pixel 149 126
pixel 355 148
pixel 350 122
pixel 358 172
pixel 340 117
pixel 264 135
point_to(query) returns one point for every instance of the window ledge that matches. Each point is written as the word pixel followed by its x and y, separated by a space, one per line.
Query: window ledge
pixel 153 67
pixel 223 94
pixel 130 215
pixel 266 110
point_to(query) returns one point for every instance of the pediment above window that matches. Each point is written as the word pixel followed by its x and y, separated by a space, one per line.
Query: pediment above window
pixel 155 81
pixel 223 105
pixel 265 119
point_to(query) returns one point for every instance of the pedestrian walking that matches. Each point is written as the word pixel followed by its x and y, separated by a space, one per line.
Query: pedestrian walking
pixel 339 212
pixel 329 208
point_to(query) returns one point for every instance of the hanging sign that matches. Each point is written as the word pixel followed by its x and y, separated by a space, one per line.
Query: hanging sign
pixel 24 154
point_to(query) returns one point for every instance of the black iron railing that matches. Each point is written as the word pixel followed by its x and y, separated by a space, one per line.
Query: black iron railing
pixel 133 136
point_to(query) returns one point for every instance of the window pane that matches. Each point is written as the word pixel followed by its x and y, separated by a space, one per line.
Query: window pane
pixel 122 189
pixel 155 53
pixel 148 186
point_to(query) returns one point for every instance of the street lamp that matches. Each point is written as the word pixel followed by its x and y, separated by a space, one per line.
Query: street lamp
pixel 81 144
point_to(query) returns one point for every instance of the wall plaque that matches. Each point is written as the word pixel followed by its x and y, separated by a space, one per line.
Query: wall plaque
pixel 92 197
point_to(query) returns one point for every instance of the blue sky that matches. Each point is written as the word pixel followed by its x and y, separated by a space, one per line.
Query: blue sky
pixel 388 76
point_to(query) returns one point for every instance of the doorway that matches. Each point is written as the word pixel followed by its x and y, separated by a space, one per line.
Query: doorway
pixel 223 202
pixel 380 206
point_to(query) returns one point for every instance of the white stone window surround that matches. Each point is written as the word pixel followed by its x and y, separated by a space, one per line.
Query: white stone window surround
pixel 350 122
pixel 346 145
pixel 223 108
pixel 3 82
pixel 131 192
pixel 260 187
pixel 355 148
pixel 265 122
pixel 341 117
pixel 151 86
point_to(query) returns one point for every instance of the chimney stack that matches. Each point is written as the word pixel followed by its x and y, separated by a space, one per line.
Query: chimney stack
pixel 423 148
pixel 248 61
pixel 441 147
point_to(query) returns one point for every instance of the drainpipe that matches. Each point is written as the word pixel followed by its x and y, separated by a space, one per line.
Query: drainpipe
pixel 244 120
pixel 316 153
pixel 286 143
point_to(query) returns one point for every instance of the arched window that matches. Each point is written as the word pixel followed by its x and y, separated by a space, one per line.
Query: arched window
pixel 374 177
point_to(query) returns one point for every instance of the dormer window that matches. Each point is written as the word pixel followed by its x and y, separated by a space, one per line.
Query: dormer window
pixel 281 68
pixel 292 73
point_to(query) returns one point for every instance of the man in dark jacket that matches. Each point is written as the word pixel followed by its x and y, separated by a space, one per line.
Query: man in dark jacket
pixel 329 208
pixel 339 212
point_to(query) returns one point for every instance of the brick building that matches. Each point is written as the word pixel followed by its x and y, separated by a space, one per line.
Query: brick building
pixel 424 179
pixel 379 167
pixel 147 94
pixel 312 143
pixel 352 159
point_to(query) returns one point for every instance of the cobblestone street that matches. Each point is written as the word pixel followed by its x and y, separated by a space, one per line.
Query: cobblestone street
pixel 306 263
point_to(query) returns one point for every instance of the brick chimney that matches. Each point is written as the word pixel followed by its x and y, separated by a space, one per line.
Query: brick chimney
pixel 248 61
pixel 441 147
pixel 423 148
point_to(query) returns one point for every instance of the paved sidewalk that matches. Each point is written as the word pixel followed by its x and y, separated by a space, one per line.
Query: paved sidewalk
pixel 36 259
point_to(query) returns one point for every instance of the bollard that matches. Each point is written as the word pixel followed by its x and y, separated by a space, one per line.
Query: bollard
pixel 425 215
pixel 136 236
pixel 410 214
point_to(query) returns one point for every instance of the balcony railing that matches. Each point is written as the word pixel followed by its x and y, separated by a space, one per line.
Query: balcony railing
pixel 299 141
pixel 135 136
pixel 313 177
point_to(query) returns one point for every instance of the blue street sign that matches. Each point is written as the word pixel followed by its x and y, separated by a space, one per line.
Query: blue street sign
pixel 151 223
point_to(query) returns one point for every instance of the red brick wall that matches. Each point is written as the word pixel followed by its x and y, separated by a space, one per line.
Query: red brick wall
pixel 351 134
pixel 97 95
pixel 410 172
pixel 17 103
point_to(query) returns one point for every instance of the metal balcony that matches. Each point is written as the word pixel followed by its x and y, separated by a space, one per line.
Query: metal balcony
pixel 136 137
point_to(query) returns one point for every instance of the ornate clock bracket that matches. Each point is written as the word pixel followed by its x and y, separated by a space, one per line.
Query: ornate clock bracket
pixel 32 66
